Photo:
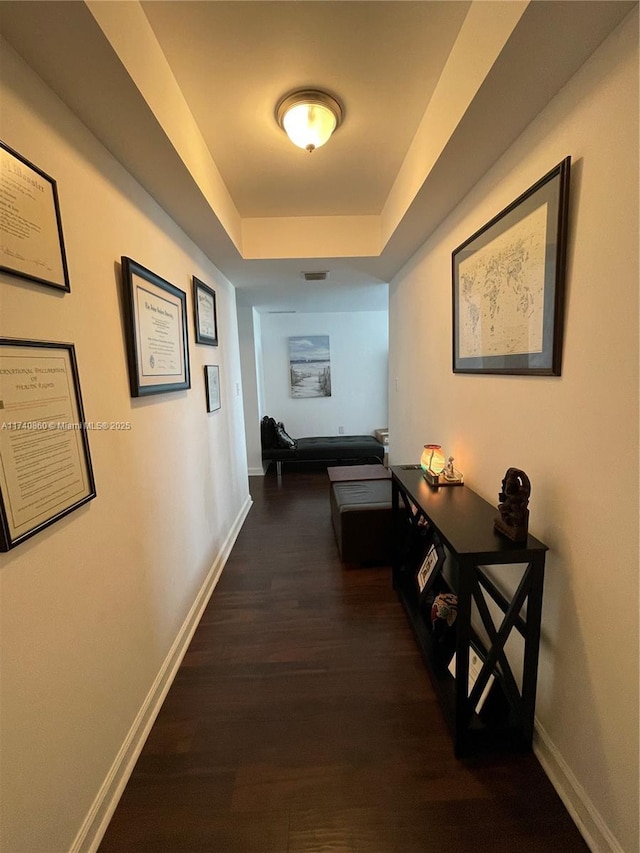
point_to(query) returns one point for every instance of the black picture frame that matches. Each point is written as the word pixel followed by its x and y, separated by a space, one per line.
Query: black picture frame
pixel 430 566
pixel 45 461
pixel 156 331
pixel 212 387
pixel 31 238
pixel 205 313
pixel 509 285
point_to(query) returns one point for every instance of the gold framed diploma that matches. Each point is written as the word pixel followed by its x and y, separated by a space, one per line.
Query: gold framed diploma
pixel 156 326
pixel 31 241
pixel 45 464
pixel 204 304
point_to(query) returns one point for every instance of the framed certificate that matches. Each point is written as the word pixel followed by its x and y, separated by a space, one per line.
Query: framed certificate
pixel 212 384
pixel 31 243
pixel 156 324
pixel 45 466
pixel 204 303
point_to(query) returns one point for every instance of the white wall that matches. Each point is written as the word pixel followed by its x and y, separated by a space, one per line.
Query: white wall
pixel 587 709
pixel 248 330
pixel 358 345
pixel 257 343
pixel 96 609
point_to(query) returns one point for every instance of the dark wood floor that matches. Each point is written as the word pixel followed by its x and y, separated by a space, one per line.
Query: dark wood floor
pixel 303 721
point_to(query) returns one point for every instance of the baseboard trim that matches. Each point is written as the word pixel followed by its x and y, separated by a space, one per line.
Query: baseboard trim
pixel 586 817
pixel 97 820
pixel 256 472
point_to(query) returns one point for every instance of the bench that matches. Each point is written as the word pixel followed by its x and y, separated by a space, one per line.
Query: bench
pixel 279 447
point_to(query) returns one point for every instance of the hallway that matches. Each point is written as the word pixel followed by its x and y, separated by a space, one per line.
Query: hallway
pixel 302 719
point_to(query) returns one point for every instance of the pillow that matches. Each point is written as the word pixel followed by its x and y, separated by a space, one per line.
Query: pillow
pixel 268 435
pixel 284 439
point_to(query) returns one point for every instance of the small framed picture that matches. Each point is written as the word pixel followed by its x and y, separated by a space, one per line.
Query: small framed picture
pixel 156 325
pixel 476 663
pixel 204 304
pixel 212 385
pixel 31 242
pixel 430 566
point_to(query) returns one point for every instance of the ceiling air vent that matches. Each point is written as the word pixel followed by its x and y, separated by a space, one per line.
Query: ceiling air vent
pixel 315 276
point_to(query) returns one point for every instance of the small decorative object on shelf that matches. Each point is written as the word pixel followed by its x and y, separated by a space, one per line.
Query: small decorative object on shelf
pixel 514 501
pixel 444 608
pixel 450 476
pixel 432 462
pixel 434 469
pixel 444 612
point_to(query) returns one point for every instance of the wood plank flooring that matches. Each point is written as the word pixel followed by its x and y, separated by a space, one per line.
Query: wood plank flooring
pixel 302 719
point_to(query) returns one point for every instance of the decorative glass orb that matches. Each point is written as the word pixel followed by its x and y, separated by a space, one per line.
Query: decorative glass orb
pixel 432 459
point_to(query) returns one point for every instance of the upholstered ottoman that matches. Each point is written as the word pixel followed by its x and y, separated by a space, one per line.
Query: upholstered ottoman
pixel 361 516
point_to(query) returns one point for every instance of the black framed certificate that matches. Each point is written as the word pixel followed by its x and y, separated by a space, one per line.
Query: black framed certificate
pixel 156 324
pixel 204 302
pixel 212 385
pixel 45 465
pixel 31 242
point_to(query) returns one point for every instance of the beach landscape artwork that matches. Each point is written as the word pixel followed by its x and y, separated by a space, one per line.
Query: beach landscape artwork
pixel 310 366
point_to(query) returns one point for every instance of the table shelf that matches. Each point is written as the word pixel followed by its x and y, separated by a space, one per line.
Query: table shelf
pixel 461 522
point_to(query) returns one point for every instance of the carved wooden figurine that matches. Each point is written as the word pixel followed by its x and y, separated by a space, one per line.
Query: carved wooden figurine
pixel 513 506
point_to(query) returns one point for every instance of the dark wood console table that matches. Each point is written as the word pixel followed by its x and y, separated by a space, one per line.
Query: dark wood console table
pixel 460 524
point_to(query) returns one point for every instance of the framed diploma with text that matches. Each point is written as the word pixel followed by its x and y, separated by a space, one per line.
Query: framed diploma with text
pixel 156 324
pixel 45 466
pixel 31 242
pixel 204 304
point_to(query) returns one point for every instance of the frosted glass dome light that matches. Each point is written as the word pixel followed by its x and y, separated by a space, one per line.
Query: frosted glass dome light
pixel 309 117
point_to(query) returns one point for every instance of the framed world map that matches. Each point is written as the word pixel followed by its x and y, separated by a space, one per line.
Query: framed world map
pixel 508 285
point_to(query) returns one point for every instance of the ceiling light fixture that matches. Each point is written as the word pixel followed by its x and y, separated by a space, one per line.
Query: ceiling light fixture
pixel 309 117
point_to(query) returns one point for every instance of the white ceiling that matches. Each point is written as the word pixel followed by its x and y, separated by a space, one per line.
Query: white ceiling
pixel 183 94
pixel 234 61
